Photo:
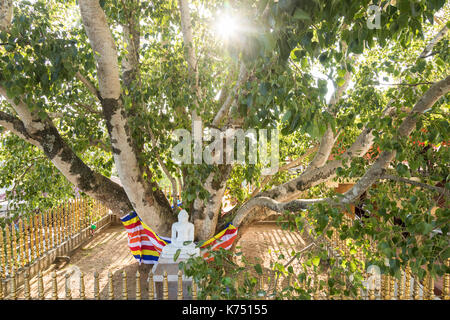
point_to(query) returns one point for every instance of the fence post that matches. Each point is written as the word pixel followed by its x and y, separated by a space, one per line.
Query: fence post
pixel 40 287
pixel 65 218
pixel 59 225
pixel 165 286
pixel 32 238
pixel 52 228
pixel 41 233
pixel 21 245
pixel 13 286
pixel 48 244
pixel 407 292
pixel 151 288
pixel 384 287
pixel 416 293
pixel 194 290
pixel 2 256
pixel 372 289
pixel 96 286
pixel 82 295
pixel 391 287
pixel 138 285
pixel 36 234
pixel 54 286
pixel 44 232
pixel 110 286
pixel 446 283
pixel 425 288
pixel 67 286
pixel 26 285
pixel 124 286
pixel 8 250
pixel 14 247
pixel 400 285
pixel 180 285
pixel 429 287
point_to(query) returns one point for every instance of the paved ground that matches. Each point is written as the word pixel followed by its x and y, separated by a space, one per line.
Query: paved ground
pixel 108 252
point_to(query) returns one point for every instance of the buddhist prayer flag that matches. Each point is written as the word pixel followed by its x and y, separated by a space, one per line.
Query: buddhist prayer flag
pixel 146 245
pixel 223 239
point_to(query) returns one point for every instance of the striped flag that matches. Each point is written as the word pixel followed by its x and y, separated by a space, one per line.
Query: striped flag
pixel 146 245
pixel 223 239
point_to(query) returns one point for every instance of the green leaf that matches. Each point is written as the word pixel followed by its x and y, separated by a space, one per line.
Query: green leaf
pixel 176 255
pixel 340 81
pixel 316 260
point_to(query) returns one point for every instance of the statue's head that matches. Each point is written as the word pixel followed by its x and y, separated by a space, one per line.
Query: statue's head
pixel 183 216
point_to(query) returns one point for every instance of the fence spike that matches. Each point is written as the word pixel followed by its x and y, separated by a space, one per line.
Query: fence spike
pixel 53 232
pixel 124 286
pixel 194 290
pixel 372 286
pixel 65 221
pixel 165 286
pixel 400 284
pixel 416 293
pixel 59 226
pixel 41 233
pixel 180 285
pixel 70 218
pixel 45 231
pixel 40 287
pixel 151 286
pixel 110 286
pixel 391 287
pixel 407 291
pixel 82 294
pixel 425 288
pixel 21 244
pixel 31 238
pixel 36 234
pixel 8 250
pixel 96 286
pixel 2 255
pixel 54 286
pixel 384 287
pixel 14 250
pixel 430 287
pixel 138 285
pixel 67 287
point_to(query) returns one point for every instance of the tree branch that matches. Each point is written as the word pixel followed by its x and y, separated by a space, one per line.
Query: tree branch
pixel 232 96
pixel 433 42
pixel 88 84
pixel 172 180
pixel 440 190
pixel 377 170
pixel 286 167
pixel 6 14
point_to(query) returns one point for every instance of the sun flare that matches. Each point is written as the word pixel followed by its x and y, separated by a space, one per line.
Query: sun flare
pixel 226 26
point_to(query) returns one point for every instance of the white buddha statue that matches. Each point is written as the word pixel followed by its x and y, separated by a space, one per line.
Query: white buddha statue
pixel 182 232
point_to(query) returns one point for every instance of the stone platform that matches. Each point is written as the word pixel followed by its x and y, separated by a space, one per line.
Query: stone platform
pixel 172 278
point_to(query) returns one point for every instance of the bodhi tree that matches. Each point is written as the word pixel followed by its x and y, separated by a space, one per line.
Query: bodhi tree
pixel 95 88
